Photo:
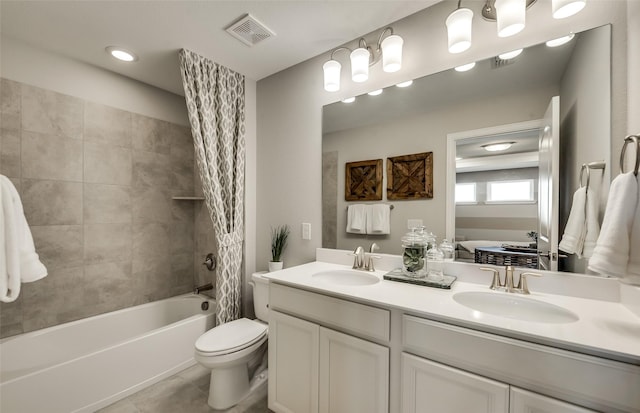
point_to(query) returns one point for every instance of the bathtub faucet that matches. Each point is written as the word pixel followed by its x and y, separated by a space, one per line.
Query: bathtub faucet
pixel 202 288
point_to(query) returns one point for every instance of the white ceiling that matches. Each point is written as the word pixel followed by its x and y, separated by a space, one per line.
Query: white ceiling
pixel 156 30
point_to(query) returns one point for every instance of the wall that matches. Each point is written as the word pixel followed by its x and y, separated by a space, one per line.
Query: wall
pixel 426 132
pixel 289 107
pixel 96 184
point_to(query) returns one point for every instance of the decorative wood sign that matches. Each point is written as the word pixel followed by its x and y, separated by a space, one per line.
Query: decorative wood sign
pixel 363 181
pixel 410 176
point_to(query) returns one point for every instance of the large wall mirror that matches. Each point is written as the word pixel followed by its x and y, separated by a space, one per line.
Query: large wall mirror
pixel 455 115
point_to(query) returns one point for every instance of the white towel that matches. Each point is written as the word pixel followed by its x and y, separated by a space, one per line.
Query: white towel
pixel 576 230
pixel 633 271
pixel 378 219
pixel 19 262
pixel 357 219
pixel 612 252
pixel 592 222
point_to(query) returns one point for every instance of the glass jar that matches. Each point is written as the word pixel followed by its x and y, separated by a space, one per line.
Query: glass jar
pixel 448 250
pixel 414 248
pixel 435 264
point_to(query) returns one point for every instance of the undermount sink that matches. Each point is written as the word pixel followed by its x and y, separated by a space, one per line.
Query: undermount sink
pixel 519 308
pixel 347 277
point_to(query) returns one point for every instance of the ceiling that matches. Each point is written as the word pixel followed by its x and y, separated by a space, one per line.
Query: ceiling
pixel 156 30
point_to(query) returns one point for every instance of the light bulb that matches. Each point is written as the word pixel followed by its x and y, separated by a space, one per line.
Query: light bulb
pixel 510 16
pixel 392 53
pixel 360 65
pixel 565 8
pixel 332 75
pixel 459 30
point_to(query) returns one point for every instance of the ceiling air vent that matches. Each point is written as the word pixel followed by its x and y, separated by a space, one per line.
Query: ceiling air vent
pixel 497 63
pixel 249 30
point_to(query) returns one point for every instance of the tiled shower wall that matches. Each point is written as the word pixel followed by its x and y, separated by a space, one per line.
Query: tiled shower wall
pixel 96 185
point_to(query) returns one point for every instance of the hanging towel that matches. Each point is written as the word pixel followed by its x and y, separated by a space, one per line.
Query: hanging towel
pixel 19 261
pixel 613 250
pixel 357 219
pixel 633 271
pixel 378 219
pixel 592 223
pixel 574 233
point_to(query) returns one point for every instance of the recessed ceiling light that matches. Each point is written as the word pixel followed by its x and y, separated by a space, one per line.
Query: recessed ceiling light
pixel 349 100
pixel 375 92
pixel 496 147
pixel 405 84
pixel 466 67
pixel 560 40
pixel 510 55
pixel 121 54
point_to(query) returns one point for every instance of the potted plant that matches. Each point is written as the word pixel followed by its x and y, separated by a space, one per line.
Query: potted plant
pixel 533 235
pixel 279 237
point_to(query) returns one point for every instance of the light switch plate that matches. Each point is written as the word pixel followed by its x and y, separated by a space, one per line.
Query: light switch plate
pixel 306 230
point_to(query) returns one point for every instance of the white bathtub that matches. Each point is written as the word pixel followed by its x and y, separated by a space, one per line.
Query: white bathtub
pixel 87 364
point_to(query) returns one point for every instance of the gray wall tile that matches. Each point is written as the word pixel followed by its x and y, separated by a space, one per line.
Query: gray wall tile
pixel 150 239
pixel 113 286
pixel 151 135
pixel 59 246
pixel 107 165
pixel 107 125
pixel 107 204
pixel 10 104
pixel 151 169
pixel 52 202
pixel 51 157
pixel 107 243
pixel 10 152
pixel 151 204
pixel 53 113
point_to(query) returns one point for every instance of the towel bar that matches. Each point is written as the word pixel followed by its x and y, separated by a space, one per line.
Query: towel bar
pixel 629 139
pixel 588 167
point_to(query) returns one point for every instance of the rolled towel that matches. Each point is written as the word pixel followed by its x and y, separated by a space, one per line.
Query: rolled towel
pixel 574 233
pixel 357 219
pixel 612 251
pixel 378 216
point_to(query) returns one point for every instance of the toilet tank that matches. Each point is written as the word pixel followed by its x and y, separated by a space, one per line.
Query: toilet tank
pixel 260 296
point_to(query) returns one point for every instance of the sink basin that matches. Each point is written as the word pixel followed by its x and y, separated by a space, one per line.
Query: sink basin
pixel 519 308
pixel 346 277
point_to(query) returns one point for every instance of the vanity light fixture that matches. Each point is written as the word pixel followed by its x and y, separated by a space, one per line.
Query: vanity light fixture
pixel 510 15
pixel 459 29
pixel 565 8
pixel 121 54
pixel 560 40
pixel 405 84
pixel 510 55
pixel 496 147
pixel 388 49
pixel 375 92
pixel 465 68
pixel 349 100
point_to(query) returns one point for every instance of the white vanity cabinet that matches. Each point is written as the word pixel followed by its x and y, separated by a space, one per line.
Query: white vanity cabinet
pixel 313 368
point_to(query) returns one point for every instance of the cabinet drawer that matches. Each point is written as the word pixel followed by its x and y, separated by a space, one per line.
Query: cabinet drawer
pixel 359 319
pixel 589 381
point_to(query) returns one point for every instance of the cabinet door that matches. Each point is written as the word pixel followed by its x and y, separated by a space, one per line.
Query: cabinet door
pixel 293 364
pixel 354 374
pixel 429 387
pixel 523 401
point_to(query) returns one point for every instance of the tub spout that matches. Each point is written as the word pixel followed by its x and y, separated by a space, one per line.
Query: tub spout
pixel 202 288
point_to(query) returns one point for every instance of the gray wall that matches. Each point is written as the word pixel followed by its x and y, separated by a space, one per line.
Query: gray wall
pixel 96 184
pixel 289 107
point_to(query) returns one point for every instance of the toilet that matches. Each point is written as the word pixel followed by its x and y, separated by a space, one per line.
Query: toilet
pixel 236 352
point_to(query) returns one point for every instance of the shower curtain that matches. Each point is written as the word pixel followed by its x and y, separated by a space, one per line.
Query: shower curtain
pixel 215 102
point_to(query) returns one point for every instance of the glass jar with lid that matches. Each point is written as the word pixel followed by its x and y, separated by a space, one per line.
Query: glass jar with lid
pixel 448 250
pixel 414 246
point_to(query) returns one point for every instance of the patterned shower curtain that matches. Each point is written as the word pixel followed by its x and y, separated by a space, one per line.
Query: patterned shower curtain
pixel 215 101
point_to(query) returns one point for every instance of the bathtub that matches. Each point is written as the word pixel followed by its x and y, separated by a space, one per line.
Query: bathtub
pixel 87 364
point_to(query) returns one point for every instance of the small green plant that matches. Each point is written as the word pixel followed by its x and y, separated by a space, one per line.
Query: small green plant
pixel 533 235
pixel 279 237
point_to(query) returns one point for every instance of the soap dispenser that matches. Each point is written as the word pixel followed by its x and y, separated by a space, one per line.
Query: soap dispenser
pixel 414 247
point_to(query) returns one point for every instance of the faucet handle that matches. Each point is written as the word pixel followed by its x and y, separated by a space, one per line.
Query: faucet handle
pixel 495 282
pixel 522 286
pixel 373 247
pixel 369 257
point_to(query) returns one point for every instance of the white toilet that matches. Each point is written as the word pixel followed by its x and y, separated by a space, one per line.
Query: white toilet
pixel 236 352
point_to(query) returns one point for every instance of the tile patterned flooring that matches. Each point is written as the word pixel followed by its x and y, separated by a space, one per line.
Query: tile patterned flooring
pixel 184 392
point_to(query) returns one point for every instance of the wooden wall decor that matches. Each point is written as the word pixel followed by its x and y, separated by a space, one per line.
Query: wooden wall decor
pixel 363 181
pixel 410 176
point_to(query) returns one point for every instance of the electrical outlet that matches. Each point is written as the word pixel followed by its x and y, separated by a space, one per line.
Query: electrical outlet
pixel 306 230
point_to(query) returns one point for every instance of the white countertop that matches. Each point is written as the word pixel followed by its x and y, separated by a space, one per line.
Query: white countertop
pixel 605 328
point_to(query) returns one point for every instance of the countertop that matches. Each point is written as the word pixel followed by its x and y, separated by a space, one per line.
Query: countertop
pixel 605 328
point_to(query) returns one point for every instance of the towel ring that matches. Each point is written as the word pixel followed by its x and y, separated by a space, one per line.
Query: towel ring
pixel 629 139
pixel 582 169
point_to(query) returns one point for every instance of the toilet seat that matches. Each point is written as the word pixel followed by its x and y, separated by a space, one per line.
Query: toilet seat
pixel 231 337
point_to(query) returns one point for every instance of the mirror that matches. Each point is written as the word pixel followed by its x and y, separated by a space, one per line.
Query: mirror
pixel 494 95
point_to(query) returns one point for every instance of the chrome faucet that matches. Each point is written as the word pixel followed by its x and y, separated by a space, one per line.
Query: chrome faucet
pixel 358 260
pixel 202 288
pixel 521 287
pixel 369 257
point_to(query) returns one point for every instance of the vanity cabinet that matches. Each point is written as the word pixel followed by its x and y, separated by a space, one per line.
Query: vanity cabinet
pixel 313 368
